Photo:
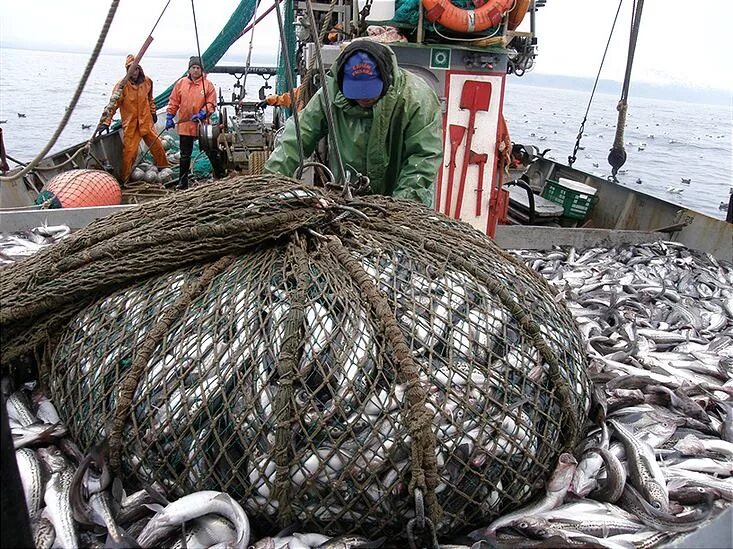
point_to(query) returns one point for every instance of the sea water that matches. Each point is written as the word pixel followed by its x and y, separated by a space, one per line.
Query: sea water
pixel 665 141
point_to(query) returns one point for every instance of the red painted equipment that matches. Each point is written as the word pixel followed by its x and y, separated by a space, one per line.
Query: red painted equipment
pixel 480 160
pixel 456 132
pixel 475 96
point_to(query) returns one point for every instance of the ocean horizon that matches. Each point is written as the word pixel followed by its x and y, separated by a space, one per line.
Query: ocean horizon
pixel 667 140
pixel 639 87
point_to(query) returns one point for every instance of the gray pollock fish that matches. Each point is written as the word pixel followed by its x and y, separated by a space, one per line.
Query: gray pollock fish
pixel 58 496
pixel 557 488
pixel 645 472
pixel 193 506
pixel 43 532
pixel 31 477
pixel 615 477
pixel 634 502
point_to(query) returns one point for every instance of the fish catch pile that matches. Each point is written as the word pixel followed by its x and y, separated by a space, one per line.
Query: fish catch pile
pixel 657 322
pixel 346 365
pixel 657 325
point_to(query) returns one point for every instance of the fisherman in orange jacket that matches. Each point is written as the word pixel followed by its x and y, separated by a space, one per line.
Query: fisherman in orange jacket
pixel 135 101
pixel 194 99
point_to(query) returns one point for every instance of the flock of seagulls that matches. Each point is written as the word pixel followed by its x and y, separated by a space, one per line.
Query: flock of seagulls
pixel 22 115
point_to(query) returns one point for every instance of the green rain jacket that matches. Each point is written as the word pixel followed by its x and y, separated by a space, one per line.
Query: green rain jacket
pixel 396 143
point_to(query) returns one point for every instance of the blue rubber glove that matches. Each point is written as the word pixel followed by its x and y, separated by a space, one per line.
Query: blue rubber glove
pixel 169 121
pixel 199 115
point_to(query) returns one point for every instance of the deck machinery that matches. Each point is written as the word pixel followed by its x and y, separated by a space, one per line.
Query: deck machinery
pixel 467 72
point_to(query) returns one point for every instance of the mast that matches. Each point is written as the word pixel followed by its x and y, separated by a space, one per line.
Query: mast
pixel 617 155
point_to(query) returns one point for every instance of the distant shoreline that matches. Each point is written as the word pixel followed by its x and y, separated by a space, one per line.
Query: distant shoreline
pixel 648 90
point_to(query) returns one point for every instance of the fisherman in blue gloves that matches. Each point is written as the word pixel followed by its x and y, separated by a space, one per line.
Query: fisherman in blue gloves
pixel 194 99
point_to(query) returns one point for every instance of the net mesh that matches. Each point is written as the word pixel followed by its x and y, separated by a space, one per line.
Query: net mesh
pixel 319 359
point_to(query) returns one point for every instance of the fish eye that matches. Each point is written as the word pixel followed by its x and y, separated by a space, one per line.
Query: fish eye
pixel 656 505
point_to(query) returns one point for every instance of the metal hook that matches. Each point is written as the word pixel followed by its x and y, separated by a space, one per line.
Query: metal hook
pixel 419 509
pixel 430 530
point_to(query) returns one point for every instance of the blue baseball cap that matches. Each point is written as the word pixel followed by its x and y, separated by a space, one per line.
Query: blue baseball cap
pixel 361 77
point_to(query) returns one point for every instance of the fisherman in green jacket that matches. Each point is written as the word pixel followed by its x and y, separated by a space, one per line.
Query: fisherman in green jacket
pixel 387 121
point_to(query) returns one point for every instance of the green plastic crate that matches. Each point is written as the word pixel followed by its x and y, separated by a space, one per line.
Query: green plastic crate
pixel 576 204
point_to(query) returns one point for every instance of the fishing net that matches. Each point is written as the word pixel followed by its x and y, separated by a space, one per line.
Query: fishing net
pixel 322 360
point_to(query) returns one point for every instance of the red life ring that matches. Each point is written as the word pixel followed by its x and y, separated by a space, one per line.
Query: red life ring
pixel 460 20
pixel 517 14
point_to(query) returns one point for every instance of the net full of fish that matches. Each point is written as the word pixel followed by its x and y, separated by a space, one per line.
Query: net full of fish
pixel 316 358
pixel 613 293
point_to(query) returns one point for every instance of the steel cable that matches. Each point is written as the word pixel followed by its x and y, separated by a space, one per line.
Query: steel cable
pixel 573 157
pixel 326 99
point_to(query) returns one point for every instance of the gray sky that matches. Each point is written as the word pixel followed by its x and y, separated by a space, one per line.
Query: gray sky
pixel 676 46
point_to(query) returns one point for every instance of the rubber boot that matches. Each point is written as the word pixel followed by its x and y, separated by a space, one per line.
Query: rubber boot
pixel 183 167
pixel 216 165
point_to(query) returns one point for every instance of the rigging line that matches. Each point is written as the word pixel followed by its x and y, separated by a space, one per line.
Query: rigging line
pixel 634 33
pixel 573 157
pixel 307 84
pixel 249 54
pixel 260 18
pixel 75 98
pixel 291 86
pixel 198 50
pixel 160 17
pixel 325 98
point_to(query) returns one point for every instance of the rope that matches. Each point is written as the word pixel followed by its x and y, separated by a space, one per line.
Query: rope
pixel 617 156
pixel 57 166
pixel 198 51
pixel 303 97
pixel 287 369
pixel 326 101
pixel 147 346
pixel 424 468
pixel 291 85
pixel 75 98
pixel 573 157
pixel 249 54
pixel 258 19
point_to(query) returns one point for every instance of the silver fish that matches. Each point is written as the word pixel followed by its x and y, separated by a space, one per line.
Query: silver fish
pixel 58 496
pixel 555 492
pixel 194 506
pixel 31 478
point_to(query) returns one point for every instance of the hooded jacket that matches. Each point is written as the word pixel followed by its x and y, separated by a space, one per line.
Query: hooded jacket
pixel 397 142
pixel 135 101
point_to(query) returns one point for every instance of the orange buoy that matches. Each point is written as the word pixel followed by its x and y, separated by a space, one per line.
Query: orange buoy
pixel 517 14
pixel 460 20
pixel 82 188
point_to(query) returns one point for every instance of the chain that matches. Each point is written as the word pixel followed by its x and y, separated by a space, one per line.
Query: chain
pixel 422 524
pixel 363 14
pixel 572 158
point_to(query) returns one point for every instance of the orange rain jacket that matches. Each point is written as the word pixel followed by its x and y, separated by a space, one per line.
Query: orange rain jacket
pixel 187 98
pixel 137 107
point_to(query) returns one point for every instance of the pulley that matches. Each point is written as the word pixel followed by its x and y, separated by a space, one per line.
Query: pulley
pixel 616 159
pixel 208 135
